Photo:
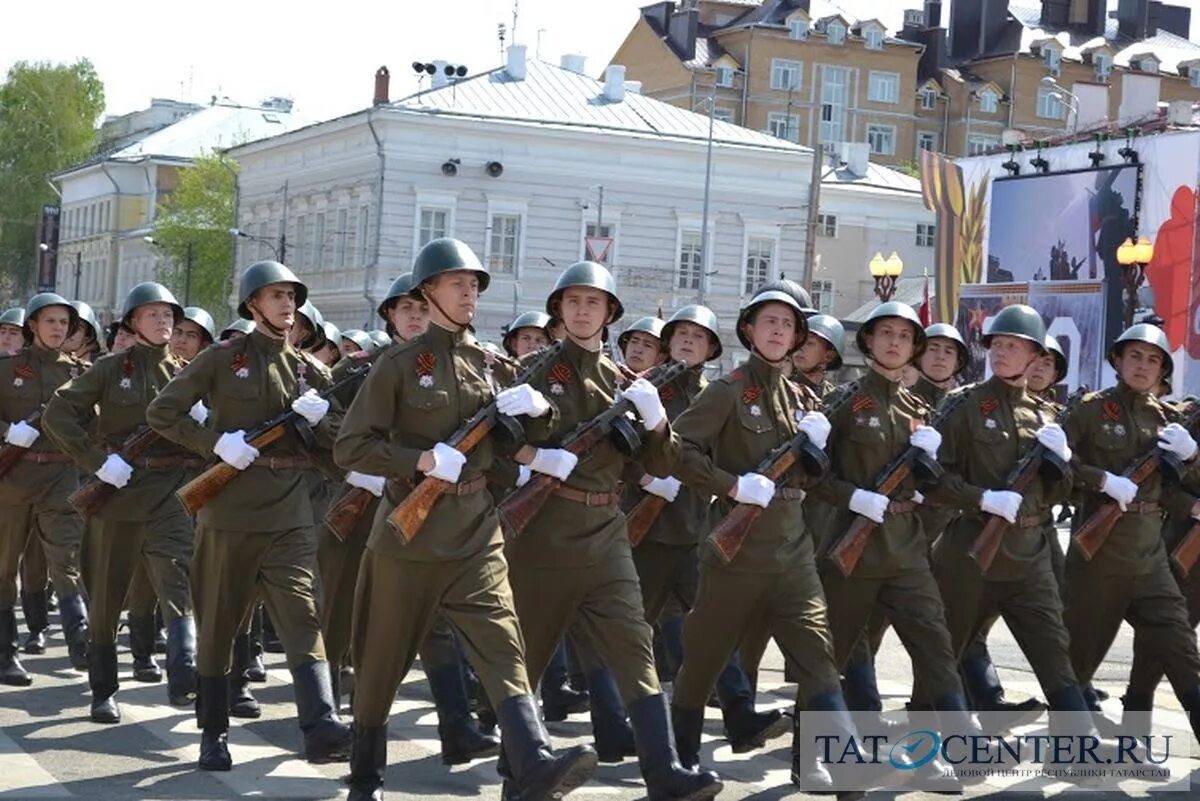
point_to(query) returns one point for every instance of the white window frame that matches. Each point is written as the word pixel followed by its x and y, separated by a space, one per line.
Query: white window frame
pixel 980 143
pixel 835 32
pixel 822 294
pixel 827 223
pixel 833 130
pixel 926 235
pixel 989 101
pixel 317 246
pixel 778 68
pixel 612 220
pixel 300 241
pixel 890 131
pixel 873 37
pixel 759 232
pixel 724 76
pixel 1194 76
pixel 1145 64
pixel 722 114
pixel 689 232
pixel 498 206
pixel 1052 57
pixel 928 99
pixel 1103 64
pixel 883 87
pixel 791 125
pixel 343 234
pixel 1049 107
pixel 439 201
pixel 798 29
pixel 930 135
pixel 362 232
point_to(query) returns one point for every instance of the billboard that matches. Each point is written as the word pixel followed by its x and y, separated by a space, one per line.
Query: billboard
pixel 47 259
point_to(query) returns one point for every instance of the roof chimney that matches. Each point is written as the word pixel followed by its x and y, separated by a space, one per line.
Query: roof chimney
pixel 516 62
pixel 382 81
pixel 1133 19
pixel 573 62
pixel 857 156
pixel 439 77
pixel 614 83
pixel 1170 18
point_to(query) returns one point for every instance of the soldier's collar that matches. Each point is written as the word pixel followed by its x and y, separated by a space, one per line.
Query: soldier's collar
pixel 436 335
pixel 41 354
pixel 580 356
pixel 880 383
pixel 1130 396
pixel 267 343
pixel 999 386
pixel 764 369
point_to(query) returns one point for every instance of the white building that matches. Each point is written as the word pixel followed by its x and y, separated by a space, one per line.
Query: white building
pixel 523 163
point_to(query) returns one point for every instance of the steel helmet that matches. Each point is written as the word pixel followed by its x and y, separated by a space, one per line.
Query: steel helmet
pixel 830 329
pixel 771 296
pixel 145 293
pixel 333 334
pixel 316 322
pixel 264 273
pixel 1151 335
pixel 1020 321
pixel 893 308
pixel 360 338
pixel 203 319
pixel 41 301
pixel 240 326
pixel 87 316
pixel 381 339
pixel 799 293
pixel 401 287
pixel 1060 358
pixel 447 255
pixel 529 319
pixel 947 331
pixel 586 274
pixel 696 314
pixel 646 325
pixel 14 316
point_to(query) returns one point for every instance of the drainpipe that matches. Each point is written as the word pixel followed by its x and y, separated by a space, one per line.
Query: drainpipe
pixel 1012 90
pixel 230 302
pixel 967 135
pixel 369 270
pixel 113 222
pixel 746 77
pixel 946 125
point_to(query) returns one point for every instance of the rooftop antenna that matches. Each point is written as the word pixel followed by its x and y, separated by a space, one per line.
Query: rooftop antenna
pixel 516 10
pixel 501 31
pixel 537 53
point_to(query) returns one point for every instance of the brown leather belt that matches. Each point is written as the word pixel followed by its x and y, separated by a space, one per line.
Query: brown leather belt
pixel 1030 521
pixel 588 498
pixel 1143 508
pixel 477 484
pixel 163 462
pixel 901 507
pixel 283 462
pixel 44 457
pixel 789 494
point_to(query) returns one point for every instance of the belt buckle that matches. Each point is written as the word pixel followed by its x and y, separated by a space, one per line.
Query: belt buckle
pixel 595 498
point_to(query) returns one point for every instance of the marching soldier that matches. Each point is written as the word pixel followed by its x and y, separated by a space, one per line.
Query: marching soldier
pixel 195 332
pixel 820 354
pixel 526 334
pixel 329 353
pixel 1048 370
pixel 84 344
pixel 33 495
pixel 943 360
pixel 11 323
pixel 572 564
pixel 356 340
pixel 641 344
pixel 118 338
pixel 414 398
pixel 237 329
pixel 143 523
pixel 1128 578
pixel 253 537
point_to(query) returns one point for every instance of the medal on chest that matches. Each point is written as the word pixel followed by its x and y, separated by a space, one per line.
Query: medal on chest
pixel 426 362
pixel 21 374
pixel 751 397
pixel 302 376
pixel 126 381
pixel 238 366
pixel 559 376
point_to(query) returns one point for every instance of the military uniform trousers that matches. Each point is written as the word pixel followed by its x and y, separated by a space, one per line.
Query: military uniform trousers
pixel 1151 603
pixel 47 516
pixel 162 547
pixel 35 573
pixel 669 576
pixel 142 596
pixel 792 606
pixel 396 603
pixel 1147 670
pixel 231 569
pixel 1030 606
pixel 601 604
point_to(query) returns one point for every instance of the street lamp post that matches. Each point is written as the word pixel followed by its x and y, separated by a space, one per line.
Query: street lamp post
pixel 1133 259
pixel 885 272
pixel 187 270
pixel 237 232
pixel 42 246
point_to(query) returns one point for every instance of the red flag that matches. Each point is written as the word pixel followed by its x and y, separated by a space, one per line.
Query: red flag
pixel 923 312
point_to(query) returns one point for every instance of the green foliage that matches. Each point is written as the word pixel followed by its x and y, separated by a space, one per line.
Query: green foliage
pixel 200 211
pixel 909 168
pixel 48 116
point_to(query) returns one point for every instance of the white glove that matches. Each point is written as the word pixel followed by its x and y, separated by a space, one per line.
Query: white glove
pixel 198 412
pixel 918 497
pixel 870 505
pixel 1054 439
pixel 816 427
pixel 447 463
pixel 115 471
pixel 554 462
pixel 372 484
pixel 1176 439
pixel 522 399
pixel 21 434
pixel 234 450
pixel 1120 489
pixel 754 488
pixel 1003 503
pixel 666 488
pixel 523 474
pixel 311 406
pixel 927 438
pixel 644 396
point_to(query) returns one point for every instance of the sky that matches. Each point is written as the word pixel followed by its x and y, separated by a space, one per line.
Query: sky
pixel 325 56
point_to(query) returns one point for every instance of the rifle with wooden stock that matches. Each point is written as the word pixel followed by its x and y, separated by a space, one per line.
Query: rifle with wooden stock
pixel 853 543
pixel 1091 536
pixel 641 518
pixel 730 534
pixel 1037 460
pixel 11 454
pixel 94 494
pixel 198 492
pixel 523 504
pixel 410 514
pixel 1188 550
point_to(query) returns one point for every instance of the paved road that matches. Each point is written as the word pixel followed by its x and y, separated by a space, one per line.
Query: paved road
pixel 49 748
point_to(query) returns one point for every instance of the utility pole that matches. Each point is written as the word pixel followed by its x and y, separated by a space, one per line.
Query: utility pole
pixel 814 208
pixel 187 277
pixel 78 271
pixel 712 100
pixel 283 227
pixel 600 212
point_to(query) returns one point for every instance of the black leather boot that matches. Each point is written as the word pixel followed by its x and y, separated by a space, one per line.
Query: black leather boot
pixel 860 687
pixel 536 772
pixel 256 671
pixel 160 631
pixel 242 703
pixel 1138 713
pixel 688 725
pixel 12 672
pixel 368 761
pixel 666 779
pixel 181 661
pixel 73 613
pixel 747 728
pixel 102 678
pixel 984 690
pixel 212 716
pixel 559 698
pixel 141 646
pixel 326 738
pixel 614 736
pixel 461 738
pixel 37 620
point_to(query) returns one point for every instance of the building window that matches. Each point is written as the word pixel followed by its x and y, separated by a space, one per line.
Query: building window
pixel 1194 77
pixel 298 241
pixel 798 28
pixel 317 249
pixel 927 140
pixel 827 225
pixel 343 221
pixel 1049 106
pixel 928 99
pixel 834 86
pixel 605 231
pixel 505 240
pixel 925 234
pixel 1103 65
pixel 989 101
pixel 835 32
pixel 1149 65
pixel 1053 59
pixel 822 295
pixel 435 224
pixel 882 139
pixel 725 76
pixel 978 144
pixel 691 260
pixel 785 74
pixel 874 38
pixel 760 252
pixel 360 236
pixel 723 114
pixel 784 126
pixel 884 87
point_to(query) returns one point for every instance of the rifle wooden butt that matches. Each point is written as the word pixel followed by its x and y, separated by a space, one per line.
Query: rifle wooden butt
pixel 1092 535
pixel 1186 552
pixel 730 534
pixel 521 506
pixel 853 543
pixel 410 514
pixel 343 514
pixel 91 497
pixel 641 518
pixel 987 544
pixel 196 494
pixel 9 456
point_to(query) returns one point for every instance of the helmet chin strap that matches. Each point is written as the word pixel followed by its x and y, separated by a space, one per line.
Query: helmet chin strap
pixel 433 302
pixel 272 330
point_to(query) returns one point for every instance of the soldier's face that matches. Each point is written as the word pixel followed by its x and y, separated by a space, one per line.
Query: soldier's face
pixel 328 354
pixel 773 331
pixel 73 343
pixel 10 338
pixel 1041 373
pixel 528 340
pixel 812 356
pixel 1141 366
pixel 641 351
pixel 409 318
pixel 1009 356
pixel 691 344
pixel 187 339
pixel 349 347
pixel 124 340
pixel 300 331
pixel 891 342
pixel 585 311
pixel 939 360
pixel 455 294
pixel 154 322
pixel 50 326
pixel 276 303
